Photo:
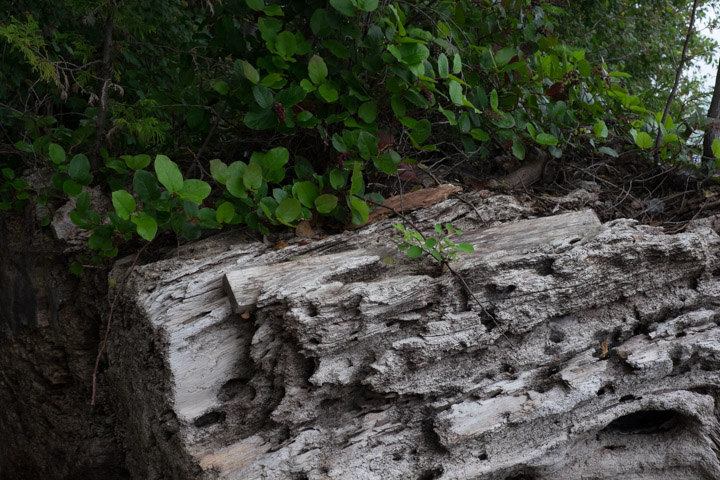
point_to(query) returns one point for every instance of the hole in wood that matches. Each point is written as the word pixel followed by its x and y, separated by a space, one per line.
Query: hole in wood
pixel 209 418
pixel 645 422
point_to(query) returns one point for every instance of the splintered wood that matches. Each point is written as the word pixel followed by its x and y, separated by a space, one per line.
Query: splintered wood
pixel 244 286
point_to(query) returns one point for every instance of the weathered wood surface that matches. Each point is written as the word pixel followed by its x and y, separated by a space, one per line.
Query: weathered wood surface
pixel 345 360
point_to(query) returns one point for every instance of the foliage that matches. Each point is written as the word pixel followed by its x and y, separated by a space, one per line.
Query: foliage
pixel 440 247
pixel 278 112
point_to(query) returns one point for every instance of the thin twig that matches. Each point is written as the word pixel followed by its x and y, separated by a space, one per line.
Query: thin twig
pixel 445 263
pixel 109 321
pixel 678 74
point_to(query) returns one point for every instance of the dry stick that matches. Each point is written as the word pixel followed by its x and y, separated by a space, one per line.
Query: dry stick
pixel 109 322
pixel 678 74
pixel 444 262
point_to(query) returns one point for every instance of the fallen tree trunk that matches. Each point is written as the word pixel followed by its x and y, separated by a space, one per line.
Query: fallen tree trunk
pixel 342 359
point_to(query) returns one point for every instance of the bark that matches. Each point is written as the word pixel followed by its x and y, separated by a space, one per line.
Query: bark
pixel 342 359
pixel 106 78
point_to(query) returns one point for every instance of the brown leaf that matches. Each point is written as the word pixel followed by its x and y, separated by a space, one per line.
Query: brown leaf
pixel 280 244
pixel 304 230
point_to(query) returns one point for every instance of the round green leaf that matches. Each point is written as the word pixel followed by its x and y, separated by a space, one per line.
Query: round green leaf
pixel 421 131
pixel 225 213
pixel 261 120
pixel 56 152
pixel 326 203
pixel 345 7
pixel 443 66
pixel 600 129
pixel 276 158
pixel 306 192
pixel 337 179
pixel 368 144
pixel 98 241
pixel 414 251
pixel 82 202
pixel 367 112
pixel 356 182
pixel 218 170
pixel 71 188
pixel 80 169
pixel 252 178
pixel 319 23
pixel 328 93
pixel 385 164
pixel 317 70
pixel 146 226
pixel 367 5
pixel 716 148
pixel 288 211
pixel 263 96
pixel 124 203
pixel 194 190
pixel 643 140
pixel 285 44
pixel 146 186
pixel 168 174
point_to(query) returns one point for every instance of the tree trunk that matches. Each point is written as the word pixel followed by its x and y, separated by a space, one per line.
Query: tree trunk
pixel 344 359
pixel 714 115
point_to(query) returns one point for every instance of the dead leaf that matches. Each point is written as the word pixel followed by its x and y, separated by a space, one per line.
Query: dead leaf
pixel 280 244
pixel 304 230
pixel 245 315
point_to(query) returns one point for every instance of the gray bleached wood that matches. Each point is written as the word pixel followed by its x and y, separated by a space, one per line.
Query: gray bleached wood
pixel 356 363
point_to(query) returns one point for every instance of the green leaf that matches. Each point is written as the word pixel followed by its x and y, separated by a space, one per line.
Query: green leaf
pixel 608 151
pixel 137 162
pixel 225 213
pixel 345 7
pixel 252 178
pixel 146 226
pixel 546 139
pixel 504 55
pixel 24 147
pixel 464 247
pixel 643 140
pixel 250 72
pixel 337 179
pixel 255 4
pixel 386 164
pixel 98 241
pixel 518 149
pixel 319 23
pixel 328 93
pixel 337 48
pixel 146 186
pixel 367 5
pixel 261 120
pixel 414 251
pixel 368 112
pixel 194 190
pixel 80 169
pixel 56 153
pixel 480 135
pixel 82 202
pixel 219 170
pixel 124 203
pixel 421 131
pixel 220 87
pixel 457 64
pixel 71 188
pixel 410 53
pixel 263 96
pixel 291 96
pixel 716 148
pixel 398 106
pixel 288 211
pixel 367 145
pixel 600 129
pixel 356 181
pixel 360 210
pixel 326 203
pixel 276 158
pixel 456 93
pixel 443 67
pixel 76 269
pixel 168 173
pixel 285 44
pixel 307 192
pixel 317 70
pixel 494 100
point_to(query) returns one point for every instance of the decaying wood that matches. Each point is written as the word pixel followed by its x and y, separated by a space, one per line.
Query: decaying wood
pixel 343 359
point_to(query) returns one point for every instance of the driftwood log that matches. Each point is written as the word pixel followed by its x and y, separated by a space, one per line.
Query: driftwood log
pixel 341 359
